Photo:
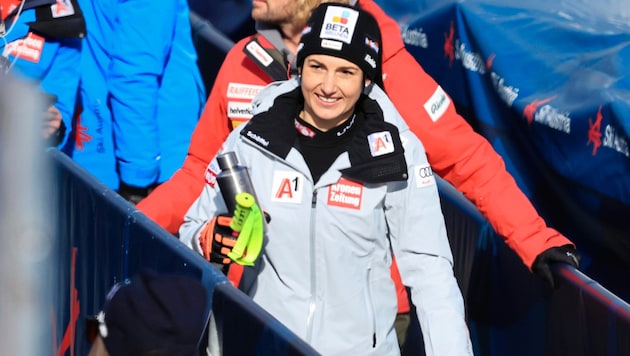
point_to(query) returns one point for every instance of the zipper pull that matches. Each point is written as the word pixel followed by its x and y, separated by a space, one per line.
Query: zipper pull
pixel 314 198
pixel 374 340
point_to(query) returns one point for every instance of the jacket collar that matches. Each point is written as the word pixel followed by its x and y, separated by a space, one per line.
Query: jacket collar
pixel 376 153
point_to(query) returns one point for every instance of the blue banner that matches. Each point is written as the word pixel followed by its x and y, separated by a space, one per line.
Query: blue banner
pixel 546 84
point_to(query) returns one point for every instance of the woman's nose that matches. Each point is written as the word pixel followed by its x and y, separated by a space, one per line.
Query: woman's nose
pixel 329 83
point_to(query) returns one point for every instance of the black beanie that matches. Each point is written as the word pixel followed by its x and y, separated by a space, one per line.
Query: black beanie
pixel 345 32
pixel 155 314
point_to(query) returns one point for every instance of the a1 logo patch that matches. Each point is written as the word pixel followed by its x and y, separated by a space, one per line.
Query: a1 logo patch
pixel 381 143
pixel 62 8
pixel 287 187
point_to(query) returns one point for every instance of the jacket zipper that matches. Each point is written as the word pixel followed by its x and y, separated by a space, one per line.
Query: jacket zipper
pixel 371 307
pixel 312 303
pixel 312 230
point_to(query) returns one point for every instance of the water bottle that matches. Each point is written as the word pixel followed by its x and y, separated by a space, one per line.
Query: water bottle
pixel 232 180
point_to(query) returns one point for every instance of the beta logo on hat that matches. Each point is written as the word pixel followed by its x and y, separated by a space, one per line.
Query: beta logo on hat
pixel 339 24
pixel 345 32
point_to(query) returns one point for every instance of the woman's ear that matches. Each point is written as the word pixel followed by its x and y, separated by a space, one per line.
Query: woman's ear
pixel 367 86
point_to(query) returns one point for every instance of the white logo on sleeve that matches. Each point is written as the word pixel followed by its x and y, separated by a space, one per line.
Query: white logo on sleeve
pixel 259 53
pixel 438 103
pixel 381 143
pixel 239 110
pixel 211 173
pixel 243 91
pixel 28 48
pixel 287 187
pixel 424 176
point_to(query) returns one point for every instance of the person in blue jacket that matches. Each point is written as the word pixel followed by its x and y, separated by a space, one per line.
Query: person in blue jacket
pixel 141 93
pixel 40 43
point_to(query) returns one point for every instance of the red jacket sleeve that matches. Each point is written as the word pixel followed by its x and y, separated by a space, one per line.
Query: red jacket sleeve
pixel 456 152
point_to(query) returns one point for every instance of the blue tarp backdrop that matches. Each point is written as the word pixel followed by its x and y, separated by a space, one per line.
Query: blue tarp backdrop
pixel 546 83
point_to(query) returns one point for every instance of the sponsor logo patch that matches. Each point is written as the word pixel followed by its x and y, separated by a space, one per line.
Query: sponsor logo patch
pixel 239 110
pixel 372 44
pixel 28 48
pixel 380 143
pixel 339 24
pixel 336 45
pixel 303 130
pixel 345 194
pixel 287 187
pixel 62 8
pixel 437 104
pixel 424 176
pixel 243 91
pixel 369 60
pixel 257 138
pixel 259 53
pixel 211 173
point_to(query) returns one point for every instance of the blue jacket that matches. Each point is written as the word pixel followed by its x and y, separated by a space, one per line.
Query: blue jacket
pixel 46 59
pixel 141 90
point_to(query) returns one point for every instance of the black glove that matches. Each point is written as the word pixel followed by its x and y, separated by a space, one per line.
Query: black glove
pixel 217 240
pixel 57 136
pixel 566 254
pixel 134 194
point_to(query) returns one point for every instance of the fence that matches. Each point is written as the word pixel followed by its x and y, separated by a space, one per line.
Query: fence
pixel 102 240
